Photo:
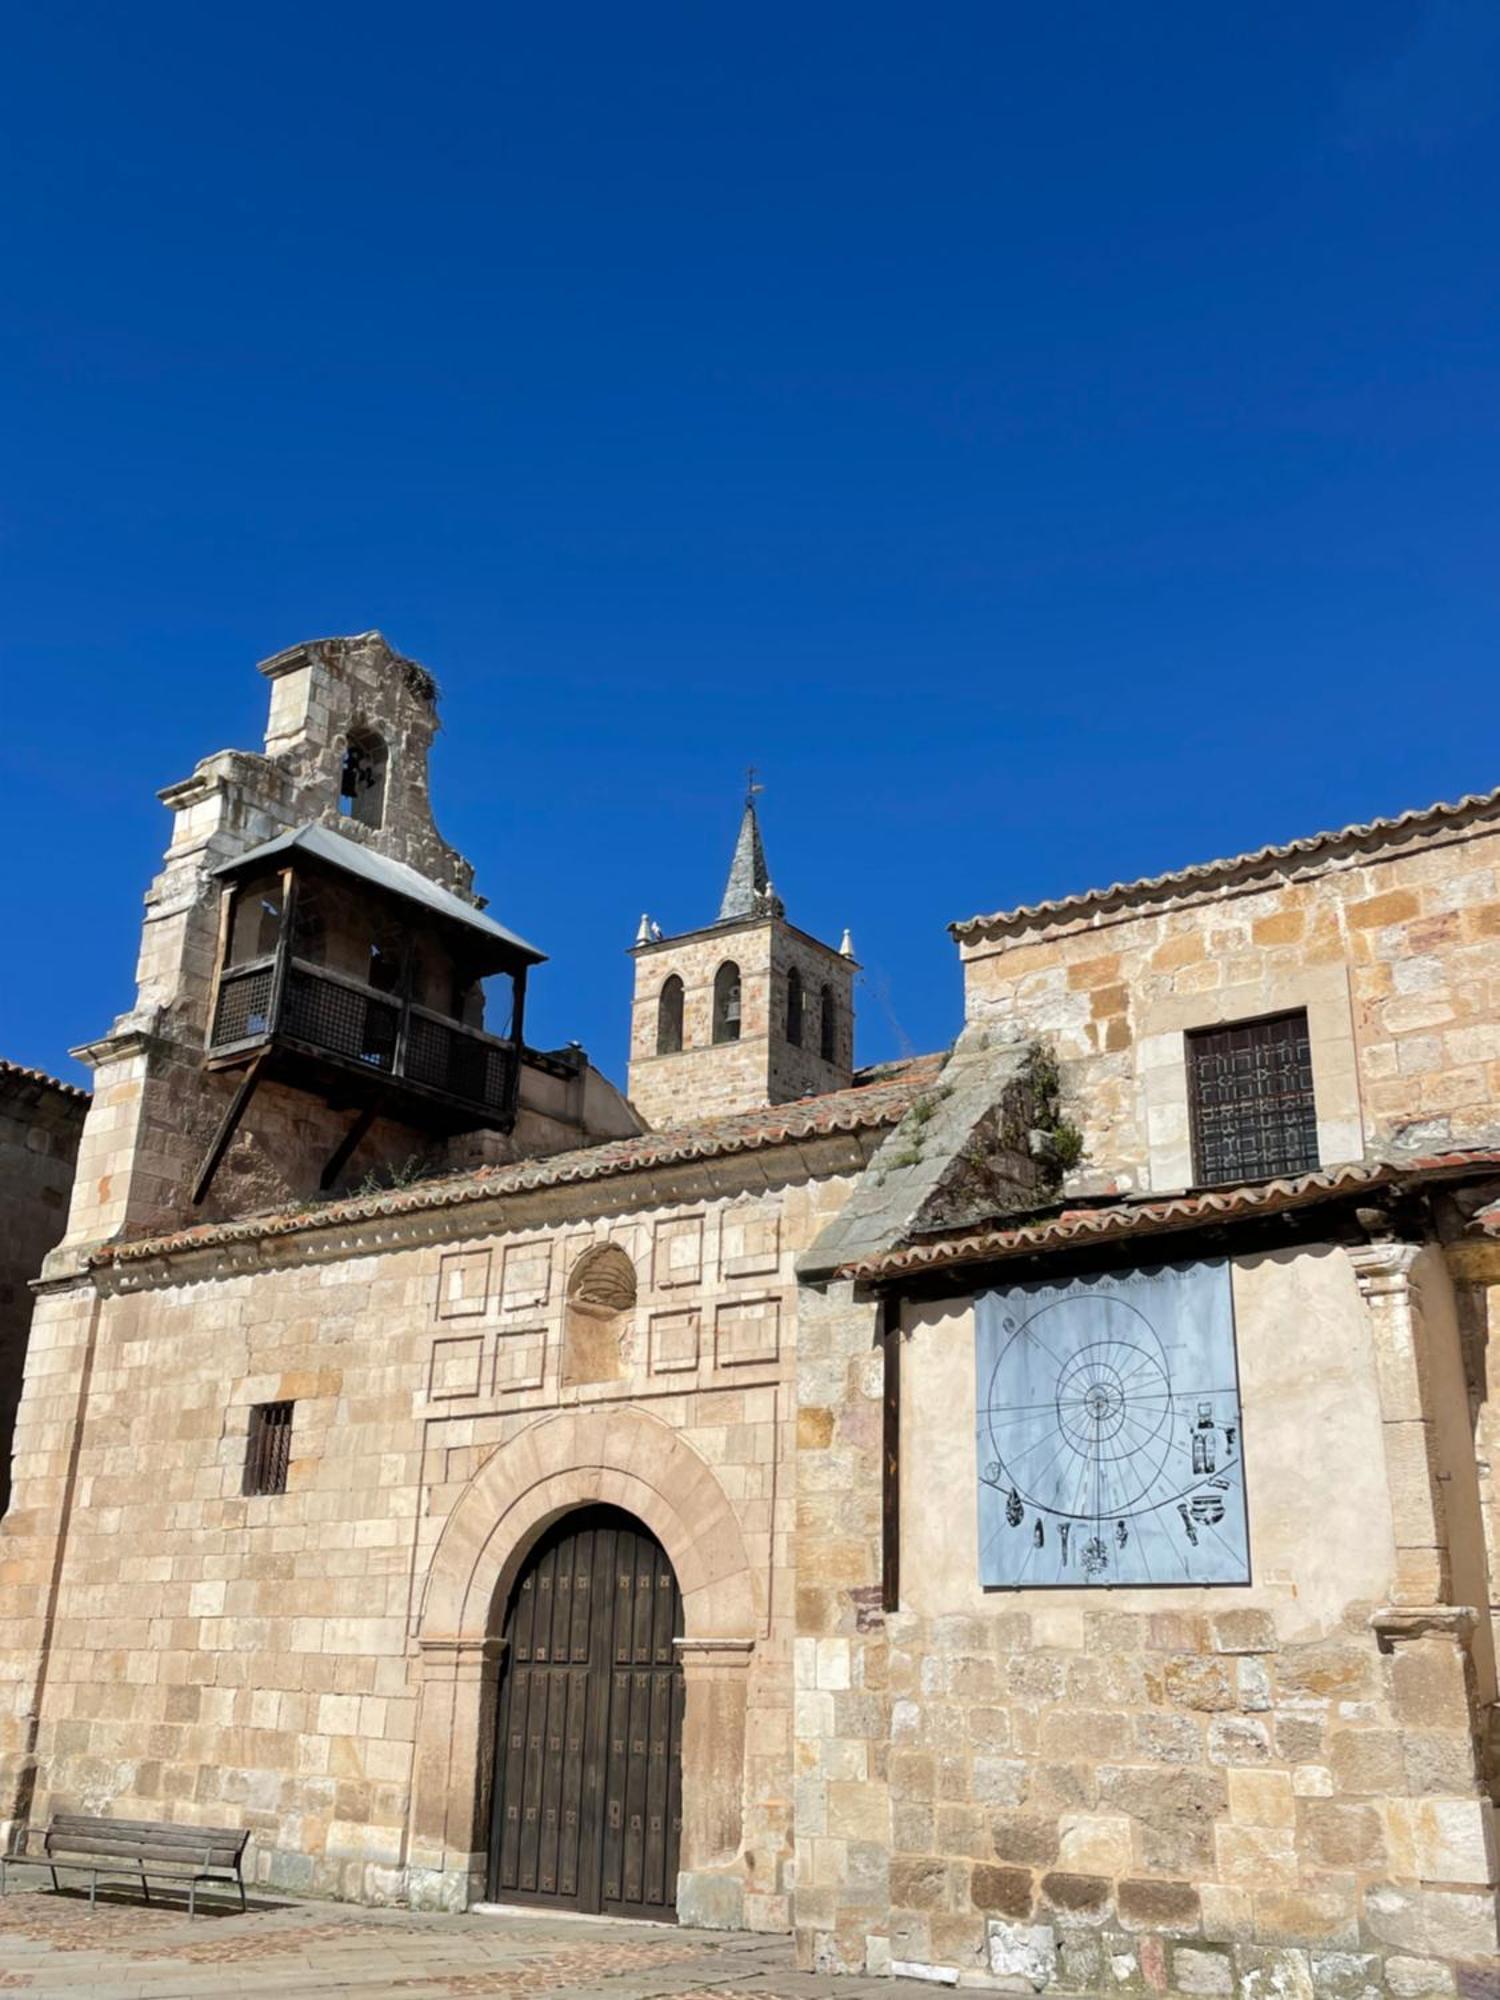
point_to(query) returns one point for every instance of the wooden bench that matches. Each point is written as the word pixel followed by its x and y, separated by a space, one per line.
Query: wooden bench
pixel 137 1850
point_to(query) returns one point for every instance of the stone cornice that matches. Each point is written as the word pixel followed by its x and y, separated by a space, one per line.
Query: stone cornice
pixel 1393 1623
pixel 239 1249
pixel 119 1044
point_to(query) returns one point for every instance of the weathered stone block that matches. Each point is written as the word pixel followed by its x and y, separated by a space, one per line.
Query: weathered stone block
pixel 1198 1970
pixel 1201 1682
pixel 1256 1856
pixel 1030 1838
pixel 1275 1974
pixel 1237 1739
pixel 1022 1956
pixel 1339 1835
pixel 1366 1761
pixel 1262 1798
pixel 1418 1978
pixel 1174 1809
pixel 1003 1892
pixel 1430 1685
pixel 1172 1907
pixel 1169 1739
pixel 1243 1631
pixel 1305 1914
pixel 1095 1843
pixel 1086 1896
pixel 1346 1975
pixel 1442 1840
pixel 1327 1671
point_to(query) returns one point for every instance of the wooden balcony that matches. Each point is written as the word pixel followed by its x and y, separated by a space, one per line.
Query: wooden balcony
pixel 360 1045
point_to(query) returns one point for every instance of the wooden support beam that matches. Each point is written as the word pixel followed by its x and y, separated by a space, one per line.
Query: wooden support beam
pixel 344 1151
pixel 890 1455
pixel 228 1126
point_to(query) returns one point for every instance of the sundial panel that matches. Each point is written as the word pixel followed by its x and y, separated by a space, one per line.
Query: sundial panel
pixel 1109 1440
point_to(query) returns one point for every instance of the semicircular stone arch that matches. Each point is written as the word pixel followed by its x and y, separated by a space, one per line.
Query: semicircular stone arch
pixel 623 1458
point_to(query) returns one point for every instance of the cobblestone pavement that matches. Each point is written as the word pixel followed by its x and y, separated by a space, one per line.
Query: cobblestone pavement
pixel 127 1950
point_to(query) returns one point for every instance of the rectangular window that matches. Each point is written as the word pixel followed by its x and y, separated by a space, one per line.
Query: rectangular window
pixel 268 1450
pixel 1250 1092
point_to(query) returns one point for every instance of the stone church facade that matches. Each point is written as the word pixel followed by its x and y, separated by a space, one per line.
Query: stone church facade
pixel 486 1485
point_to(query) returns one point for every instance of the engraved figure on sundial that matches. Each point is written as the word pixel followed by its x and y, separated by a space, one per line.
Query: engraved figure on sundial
pixel 1109 1407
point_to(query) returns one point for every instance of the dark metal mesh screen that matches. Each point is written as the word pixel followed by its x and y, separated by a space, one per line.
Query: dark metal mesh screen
pixel 339 1019
pixel 244 998
pixel 1250 1089
pixel 445 1059
pixel 269 1449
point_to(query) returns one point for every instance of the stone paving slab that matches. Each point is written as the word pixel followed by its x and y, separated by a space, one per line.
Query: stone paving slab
pixel 50 1944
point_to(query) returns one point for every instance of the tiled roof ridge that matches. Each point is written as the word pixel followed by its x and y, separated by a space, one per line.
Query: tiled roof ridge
pixel 14 1072
pixel 1145 1216
pixel 884 1101
pixel 1201 872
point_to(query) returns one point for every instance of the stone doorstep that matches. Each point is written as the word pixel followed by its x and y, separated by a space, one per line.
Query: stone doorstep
pixel 530 1912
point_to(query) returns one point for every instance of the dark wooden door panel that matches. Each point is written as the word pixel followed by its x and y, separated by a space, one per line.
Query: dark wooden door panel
pixel 588 1783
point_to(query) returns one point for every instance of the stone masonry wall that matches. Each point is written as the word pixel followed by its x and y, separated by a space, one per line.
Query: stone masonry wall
pixel 1394 952
pixel 209 1656
pixel 1270 1789
pixel 40 1123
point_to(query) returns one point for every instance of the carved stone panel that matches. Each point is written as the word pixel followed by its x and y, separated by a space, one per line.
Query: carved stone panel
pixel 520 1359
pixel 678 1255
pixel 746 1331
pixel 526 1276
pixel 456 1366
pixel 749 1240
pixel 674 1342
pixel 463 1284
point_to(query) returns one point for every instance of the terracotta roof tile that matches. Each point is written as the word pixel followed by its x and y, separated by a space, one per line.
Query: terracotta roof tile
pixel 1147 1217
pixel 1376 832
pixel 18 1073
pixel 881 1101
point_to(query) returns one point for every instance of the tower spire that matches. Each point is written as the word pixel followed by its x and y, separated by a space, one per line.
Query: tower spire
pixel 748 892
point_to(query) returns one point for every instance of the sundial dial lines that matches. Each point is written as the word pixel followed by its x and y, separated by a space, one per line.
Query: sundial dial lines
pixel 1108 1432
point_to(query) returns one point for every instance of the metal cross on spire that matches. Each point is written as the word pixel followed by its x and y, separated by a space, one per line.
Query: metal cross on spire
pixel 748 891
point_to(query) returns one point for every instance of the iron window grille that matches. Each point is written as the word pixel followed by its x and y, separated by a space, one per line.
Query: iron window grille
pixel 1250 1098
pixel 268 1450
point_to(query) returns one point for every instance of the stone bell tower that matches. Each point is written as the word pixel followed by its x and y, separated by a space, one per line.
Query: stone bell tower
pixel 747 1011
pixel 342 781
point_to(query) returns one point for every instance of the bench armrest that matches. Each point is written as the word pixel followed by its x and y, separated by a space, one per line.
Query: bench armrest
pixel 18 1843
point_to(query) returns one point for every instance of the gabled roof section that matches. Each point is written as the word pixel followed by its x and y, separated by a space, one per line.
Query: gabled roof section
pixel 1373 833
pixel 394 878
pixel 1075 1228
pixel 873 1105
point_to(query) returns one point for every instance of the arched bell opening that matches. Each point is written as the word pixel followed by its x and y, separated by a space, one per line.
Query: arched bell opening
pixel 586 1782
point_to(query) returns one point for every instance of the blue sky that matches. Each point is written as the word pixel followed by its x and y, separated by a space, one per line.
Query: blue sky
pixel 1054 444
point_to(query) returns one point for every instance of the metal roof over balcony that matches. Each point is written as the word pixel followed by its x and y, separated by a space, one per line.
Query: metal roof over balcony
pixel 322 846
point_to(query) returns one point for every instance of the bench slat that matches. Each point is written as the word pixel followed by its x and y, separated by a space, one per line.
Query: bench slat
pixel 224 1836
pixel 147 1839
pixel 114 1851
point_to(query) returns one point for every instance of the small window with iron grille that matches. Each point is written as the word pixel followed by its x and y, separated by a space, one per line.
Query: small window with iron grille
pixel 268 1450
pixel 1250 1094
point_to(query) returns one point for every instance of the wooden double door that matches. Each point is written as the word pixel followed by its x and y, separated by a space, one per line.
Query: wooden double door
pixel 588 1763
